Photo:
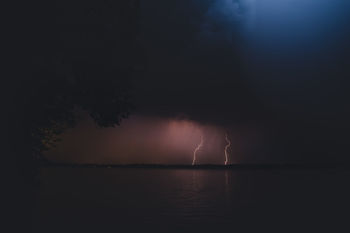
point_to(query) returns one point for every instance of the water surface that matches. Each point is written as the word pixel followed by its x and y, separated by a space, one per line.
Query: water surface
pixel 185 200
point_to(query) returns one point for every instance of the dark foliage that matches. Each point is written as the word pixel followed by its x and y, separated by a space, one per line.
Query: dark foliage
pixel 64 56
pixel 78 55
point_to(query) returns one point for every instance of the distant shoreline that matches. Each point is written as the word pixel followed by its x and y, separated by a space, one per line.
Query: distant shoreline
pixel 270 166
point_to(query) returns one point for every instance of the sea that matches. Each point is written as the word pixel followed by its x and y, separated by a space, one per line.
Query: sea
pixel 103 199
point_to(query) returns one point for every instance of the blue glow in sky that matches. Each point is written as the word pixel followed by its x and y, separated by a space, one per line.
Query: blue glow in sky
pixel 282 23
pixel 284 44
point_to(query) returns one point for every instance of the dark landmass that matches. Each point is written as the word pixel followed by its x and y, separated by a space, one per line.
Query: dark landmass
pixel 269 166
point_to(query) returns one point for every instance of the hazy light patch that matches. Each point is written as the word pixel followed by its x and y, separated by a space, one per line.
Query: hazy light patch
pixel 144 140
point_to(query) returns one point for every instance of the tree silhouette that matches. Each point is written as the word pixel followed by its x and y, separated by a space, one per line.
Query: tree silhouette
pixel 64 55
pixel 71 55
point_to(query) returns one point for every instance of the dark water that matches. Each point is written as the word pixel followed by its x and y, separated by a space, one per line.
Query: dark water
pixel 185 200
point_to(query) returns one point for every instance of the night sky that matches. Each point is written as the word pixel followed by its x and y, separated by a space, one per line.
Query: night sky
pixel 272 74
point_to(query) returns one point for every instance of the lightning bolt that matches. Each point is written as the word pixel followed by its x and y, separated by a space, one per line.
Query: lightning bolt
pixel 196 150
pixel 226 147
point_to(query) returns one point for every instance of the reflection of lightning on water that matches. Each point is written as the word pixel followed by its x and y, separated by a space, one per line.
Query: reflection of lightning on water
pixel 226 147
pixel 196 150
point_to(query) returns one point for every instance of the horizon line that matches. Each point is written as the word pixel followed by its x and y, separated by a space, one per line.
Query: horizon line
pixel 294 165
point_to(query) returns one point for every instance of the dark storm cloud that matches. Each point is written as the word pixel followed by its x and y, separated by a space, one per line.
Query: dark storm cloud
pixel 192 69
pixel 277 69
pixel 277 64
pixel 155 140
